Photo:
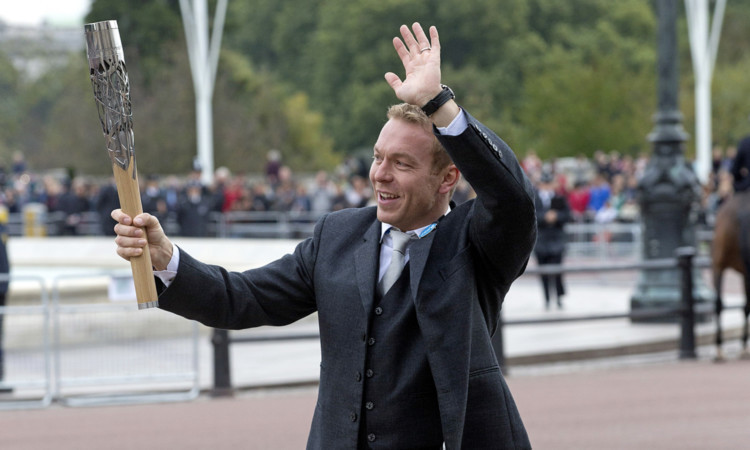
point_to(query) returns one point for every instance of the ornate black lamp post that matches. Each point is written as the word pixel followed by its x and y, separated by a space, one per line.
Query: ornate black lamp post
pixel 669 191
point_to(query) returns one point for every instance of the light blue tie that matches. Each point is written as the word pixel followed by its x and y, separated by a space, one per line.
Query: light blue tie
pixel 400 239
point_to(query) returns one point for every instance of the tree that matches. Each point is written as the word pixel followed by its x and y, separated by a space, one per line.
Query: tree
pixel 579 108
pixel 594 87
pixel 148 29
pixel 9 106
pixel 252 111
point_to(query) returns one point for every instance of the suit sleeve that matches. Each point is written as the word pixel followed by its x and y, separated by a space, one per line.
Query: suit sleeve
pixel 503 220
pixel 276 294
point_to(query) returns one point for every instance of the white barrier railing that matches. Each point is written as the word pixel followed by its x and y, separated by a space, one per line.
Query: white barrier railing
pixel 25 354
pixel 81 351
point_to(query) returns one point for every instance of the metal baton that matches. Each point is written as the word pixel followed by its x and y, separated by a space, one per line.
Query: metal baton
pixel 109 78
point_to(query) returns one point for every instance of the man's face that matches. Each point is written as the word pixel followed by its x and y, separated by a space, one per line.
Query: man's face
pixel 408 194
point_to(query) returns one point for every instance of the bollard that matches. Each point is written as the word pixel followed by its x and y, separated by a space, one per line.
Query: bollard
pixel 222 374
pixel 34 219
pixel 687 338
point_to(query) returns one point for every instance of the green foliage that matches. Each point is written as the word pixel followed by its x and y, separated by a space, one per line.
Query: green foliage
pixel 495 55
pixel 9 105
pixel 148 28
pixel 252 111
pixel 306 77
pixel 731 109
pixel 561 119
pixel 253 115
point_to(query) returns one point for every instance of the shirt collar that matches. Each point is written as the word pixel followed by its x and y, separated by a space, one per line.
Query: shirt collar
pixel 419 232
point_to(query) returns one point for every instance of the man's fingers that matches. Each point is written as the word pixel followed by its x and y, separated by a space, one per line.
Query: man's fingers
pixel 409 39
pixel 434 38
pixel 128 230
pixel 401 50
pixel 421 37
pixel 121 217
pixel 129 252
pixel 129 247
pixel 145 220
pixel 130 242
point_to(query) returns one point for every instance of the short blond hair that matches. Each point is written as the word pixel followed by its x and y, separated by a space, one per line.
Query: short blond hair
pixel 414 114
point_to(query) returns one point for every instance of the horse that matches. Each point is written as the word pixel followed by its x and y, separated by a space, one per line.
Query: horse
pixel 731 250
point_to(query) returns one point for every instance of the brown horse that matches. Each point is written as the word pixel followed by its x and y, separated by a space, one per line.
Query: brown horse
pixel 731 249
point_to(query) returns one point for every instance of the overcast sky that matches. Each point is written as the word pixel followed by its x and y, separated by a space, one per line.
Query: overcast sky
pixel 34 12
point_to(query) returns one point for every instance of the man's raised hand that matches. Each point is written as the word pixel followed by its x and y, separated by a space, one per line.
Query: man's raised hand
pixel 421 59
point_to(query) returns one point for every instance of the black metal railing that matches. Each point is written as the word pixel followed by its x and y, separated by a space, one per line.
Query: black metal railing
pixel 686 313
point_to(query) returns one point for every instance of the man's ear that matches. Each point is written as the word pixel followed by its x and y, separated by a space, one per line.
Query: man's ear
pixel 451 175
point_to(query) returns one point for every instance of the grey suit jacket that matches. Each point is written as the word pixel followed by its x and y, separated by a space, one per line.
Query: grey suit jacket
pixel 459 279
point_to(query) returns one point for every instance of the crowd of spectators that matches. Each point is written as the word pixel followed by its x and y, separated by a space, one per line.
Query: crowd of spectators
pixel 604 189
pixel 601 189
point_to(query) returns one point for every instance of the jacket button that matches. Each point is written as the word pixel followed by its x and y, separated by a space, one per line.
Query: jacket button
pixel 371 341
pixel 369 405
pixel 371 437
pixel 353 416
pixel 358 376
pixel 369 373
pixel 378 311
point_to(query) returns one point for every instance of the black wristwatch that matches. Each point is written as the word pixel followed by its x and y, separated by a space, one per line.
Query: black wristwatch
pixel 439 100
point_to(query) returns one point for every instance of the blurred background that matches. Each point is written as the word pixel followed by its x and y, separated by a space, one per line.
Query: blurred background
pixel 300 87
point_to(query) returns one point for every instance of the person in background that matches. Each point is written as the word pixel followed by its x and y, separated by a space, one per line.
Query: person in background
pixel 552 213
pixel 321 193
pixel 599 193
pixel 741 166
pixel 578 200
pixel 4 283
pixel 73 202
pixel 194 211
pixel 105 201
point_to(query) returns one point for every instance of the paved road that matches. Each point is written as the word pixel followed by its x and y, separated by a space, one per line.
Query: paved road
pixel 673 405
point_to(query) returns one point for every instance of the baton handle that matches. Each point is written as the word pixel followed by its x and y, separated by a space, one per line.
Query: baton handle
pixel 130 203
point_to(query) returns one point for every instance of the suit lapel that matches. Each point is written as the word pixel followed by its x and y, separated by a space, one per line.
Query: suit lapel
pixel 419 251
pixel 366 260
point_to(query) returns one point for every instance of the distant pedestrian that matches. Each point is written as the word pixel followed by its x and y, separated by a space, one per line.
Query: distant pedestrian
pixel 194 211
pixel 741 166
pixel 4 270
pixel 552 213
pixel 106 200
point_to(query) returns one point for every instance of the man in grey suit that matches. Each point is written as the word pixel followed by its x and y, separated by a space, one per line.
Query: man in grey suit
pixel 409 365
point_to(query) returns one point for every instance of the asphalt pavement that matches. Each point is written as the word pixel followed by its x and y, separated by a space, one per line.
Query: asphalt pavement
pixel 666 405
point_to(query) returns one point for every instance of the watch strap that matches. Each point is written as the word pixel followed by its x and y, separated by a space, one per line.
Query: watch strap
pixel 439 100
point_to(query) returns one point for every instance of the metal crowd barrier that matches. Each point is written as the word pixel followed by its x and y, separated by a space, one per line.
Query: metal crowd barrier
pixel 27 359
pixel 685 314
pixel 77 351
pixel 589 239
pixel 603 240
pixel 112 353
pixel 265 224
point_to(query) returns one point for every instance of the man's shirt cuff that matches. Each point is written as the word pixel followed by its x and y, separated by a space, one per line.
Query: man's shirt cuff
pixel 456 127
pixel 167 275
